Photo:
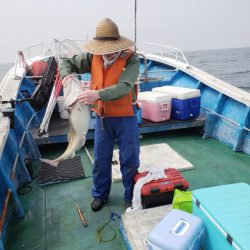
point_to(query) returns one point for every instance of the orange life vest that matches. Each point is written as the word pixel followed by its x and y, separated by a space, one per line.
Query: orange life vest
pixel 101 78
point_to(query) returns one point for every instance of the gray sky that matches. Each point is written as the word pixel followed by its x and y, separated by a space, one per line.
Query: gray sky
pixel 186 24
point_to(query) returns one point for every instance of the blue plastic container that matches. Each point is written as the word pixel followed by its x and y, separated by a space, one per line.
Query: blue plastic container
pixel 184 109
pixel 138 113
pixel 225 211
pixel 178 230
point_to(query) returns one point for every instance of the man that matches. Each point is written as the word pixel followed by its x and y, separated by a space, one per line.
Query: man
pixel 114 70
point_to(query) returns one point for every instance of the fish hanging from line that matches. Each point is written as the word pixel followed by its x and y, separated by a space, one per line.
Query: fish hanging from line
pixel 79 116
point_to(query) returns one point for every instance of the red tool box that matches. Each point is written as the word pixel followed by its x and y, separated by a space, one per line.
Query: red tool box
pixel 161 192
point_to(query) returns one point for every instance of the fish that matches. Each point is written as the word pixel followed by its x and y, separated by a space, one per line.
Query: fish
pixel 79 116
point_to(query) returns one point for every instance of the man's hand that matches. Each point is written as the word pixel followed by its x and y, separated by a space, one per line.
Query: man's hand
pixel 88 96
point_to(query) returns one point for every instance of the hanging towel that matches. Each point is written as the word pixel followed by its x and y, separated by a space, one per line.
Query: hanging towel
pixel 153 174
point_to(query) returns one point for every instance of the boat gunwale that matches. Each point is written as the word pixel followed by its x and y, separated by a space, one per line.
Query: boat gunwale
pixel 211 81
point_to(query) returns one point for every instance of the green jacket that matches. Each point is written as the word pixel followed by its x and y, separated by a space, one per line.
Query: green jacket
pixel 82 64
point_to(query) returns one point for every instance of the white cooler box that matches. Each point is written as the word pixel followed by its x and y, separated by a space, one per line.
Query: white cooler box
pixel 185 101
pixel 178 230
pixel 156 107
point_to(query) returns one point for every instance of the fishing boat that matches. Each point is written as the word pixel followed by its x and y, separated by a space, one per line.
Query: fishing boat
pixel 35 214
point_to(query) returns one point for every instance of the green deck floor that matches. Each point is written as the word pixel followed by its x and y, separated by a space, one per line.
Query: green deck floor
pixel 52 222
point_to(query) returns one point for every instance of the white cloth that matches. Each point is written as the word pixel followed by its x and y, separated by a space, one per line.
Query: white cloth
pixel 72 87
pixel 107 63
pixel 153 174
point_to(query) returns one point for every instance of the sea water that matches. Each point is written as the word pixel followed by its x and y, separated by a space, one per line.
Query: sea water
pixel 4 67
pixel 229 65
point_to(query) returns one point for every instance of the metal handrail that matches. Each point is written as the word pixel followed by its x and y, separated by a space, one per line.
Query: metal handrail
pixel 64 47
pixel 57 49
pixel 178 53
pixel 28 50
pixel 145 65
pixel 227 119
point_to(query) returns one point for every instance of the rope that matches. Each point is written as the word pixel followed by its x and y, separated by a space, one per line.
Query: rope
pixel 22 60
pixel 22 63
pixel 103 226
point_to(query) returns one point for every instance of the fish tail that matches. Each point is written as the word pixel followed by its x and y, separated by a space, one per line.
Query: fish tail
pixel 53 163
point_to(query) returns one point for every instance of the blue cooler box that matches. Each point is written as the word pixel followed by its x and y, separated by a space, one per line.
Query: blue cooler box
pixel 185 103
pixel 225 211
pixel 177 231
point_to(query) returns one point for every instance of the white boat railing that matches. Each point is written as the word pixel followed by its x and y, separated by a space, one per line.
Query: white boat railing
pixel 165 50
pixel 28 55
pixel 64 48
pixel 56 47
pixel 37 50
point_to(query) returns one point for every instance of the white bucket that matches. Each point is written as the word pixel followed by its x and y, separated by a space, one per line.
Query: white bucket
pixel 64 114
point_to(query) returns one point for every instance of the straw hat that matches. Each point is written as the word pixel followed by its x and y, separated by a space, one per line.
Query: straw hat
pixel 107 39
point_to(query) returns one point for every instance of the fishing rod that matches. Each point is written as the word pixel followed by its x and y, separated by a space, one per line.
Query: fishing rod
pixel 12 101
pixel 9 112
pixel 135 22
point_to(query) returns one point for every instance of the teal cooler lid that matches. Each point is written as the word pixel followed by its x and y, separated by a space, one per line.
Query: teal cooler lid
pixel 229 206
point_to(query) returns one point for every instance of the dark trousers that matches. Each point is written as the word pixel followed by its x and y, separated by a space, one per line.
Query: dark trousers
pixel 125 130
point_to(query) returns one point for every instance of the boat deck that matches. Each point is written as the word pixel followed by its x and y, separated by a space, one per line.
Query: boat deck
pixel 52 222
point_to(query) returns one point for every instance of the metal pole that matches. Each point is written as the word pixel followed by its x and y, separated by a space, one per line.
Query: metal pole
pixel 135 22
